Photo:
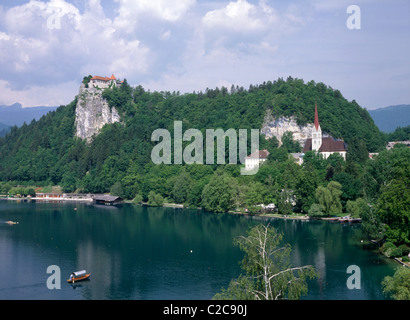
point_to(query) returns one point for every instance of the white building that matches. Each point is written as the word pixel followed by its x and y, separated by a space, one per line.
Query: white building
pixel 324 145
pixel 391 144
pixel 104 82
pixel 298 157
pixel 256 159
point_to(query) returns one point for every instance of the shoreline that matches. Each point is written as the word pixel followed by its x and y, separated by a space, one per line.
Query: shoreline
pixel 296 216
pixel 273 215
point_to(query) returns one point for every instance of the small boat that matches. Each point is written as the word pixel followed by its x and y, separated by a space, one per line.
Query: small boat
pixel 350 219
pixel 79 276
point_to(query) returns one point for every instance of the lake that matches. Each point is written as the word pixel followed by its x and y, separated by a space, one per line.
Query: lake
pixel 144 253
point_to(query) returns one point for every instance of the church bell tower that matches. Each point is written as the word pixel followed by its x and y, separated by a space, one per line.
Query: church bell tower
pixel 317 133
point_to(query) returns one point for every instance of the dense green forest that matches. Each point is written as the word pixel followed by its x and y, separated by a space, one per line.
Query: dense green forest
pixel 118 160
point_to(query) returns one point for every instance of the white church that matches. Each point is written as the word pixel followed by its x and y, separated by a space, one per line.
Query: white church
pixel 324 145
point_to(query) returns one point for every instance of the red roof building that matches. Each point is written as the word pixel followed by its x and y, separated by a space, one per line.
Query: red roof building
pixel 104 82
pixel 324 145
pixel 106 79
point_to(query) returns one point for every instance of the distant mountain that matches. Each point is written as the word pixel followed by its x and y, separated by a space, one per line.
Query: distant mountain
pixel 4 129
pixel 389 118
pixel 17 115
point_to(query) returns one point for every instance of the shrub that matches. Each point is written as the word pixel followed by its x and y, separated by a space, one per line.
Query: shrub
pixel 138 199
pixel 316 210
pixel 398 286
pixel 390 250
pixel 155 199
pixel 396 253
pixel 405 249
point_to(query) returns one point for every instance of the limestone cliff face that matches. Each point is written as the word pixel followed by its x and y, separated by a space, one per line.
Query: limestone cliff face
pixel 92 113
pixel 278 126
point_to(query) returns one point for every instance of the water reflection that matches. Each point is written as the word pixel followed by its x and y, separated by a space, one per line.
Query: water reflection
pixel 135 252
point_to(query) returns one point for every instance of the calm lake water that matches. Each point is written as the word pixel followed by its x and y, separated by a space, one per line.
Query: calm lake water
pixel 145 253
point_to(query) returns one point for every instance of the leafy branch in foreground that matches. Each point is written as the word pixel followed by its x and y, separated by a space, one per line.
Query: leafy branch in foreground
pixel 267 273
pixel 398 286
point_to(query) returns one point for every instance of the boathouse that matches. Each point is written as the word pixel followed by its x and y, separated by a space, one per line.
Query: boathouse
pixel 107 200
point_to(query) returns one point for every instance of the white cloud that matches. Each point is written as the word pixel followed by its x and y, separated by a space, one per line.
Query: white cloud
pixel 38 50
pixel 233 44
pixel 241 16
pixel 130 11
pixel 189 45
pixel 4 36
pixel 30 18
pixel 246 27
pixel 165 35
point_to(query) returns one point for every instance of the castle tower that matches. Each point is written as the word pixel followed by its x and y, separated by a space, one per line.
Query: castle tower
pixel 317 133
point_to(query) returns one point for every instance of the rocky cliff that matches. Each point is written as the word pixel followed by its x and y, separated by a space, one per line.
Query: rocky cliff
pixel 92 113
pixel 276 127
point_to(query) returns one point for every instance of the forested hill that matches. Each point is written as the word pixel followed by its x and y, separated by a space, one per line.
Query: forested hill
pixel 46 152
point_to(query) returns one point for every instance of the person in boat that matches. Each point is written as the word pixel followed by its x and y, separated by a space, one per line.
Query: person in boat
pixel 78 276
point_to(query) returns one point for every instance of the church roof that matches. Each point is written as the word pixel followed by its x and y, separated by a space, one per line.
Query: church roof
pixel 104 78
pixel 317 125
pixel 329 144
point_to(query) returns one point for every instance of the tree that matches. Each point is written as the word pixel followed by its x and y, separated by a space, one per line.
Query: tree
pixel 324 198
pixel 398 286
pixel 255 194
pixel 393 207
pixel 329 197
pixel 278 155
pixel 138 199
pixel 181 187
pixel 335 191
pixel 306 185
pixel 285 202
pixel 86 80
pixel 357 208
pixel 351 188
pixel 155 199
pixel 219 194
pixel 68 182
pixel 357 151
pixel 267 273
pixel 289 144
pixel 372 226
pixel 388 165
pixel 316 210
pixel 117 190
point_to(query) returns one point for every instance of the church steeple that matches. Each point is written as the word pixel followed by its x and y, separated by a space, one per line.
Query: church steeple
pixel 317 133
pixel 317 125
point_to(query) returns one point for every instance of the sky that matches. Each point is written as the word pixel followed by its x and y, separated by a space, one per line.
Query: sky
pixel 47 47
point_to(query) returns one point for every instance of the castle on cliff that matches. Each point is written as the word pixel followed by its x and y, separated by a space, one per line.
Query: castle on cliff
pixel 104 82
